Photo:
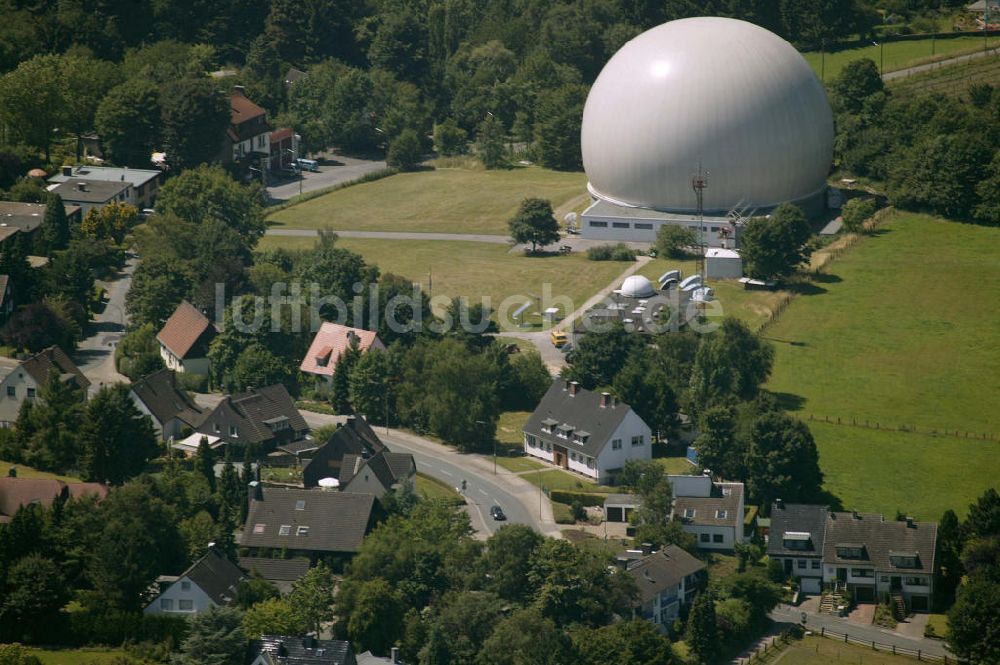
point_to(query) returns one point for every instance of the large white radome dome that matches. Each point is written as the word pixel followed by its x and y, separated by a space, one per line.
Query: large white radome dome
pixel 725 94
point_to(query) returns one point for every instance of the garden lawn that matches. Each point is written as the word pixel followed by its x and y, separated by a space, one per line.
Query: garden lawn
pixel 27 472
pixel 953 80
pixel 556 479
pixel 432 488
pixel 510 430
pixel 85 656
pixel 446 200
pixel 677 466
pixel 815 650
pixel 898 55
pixel 476 269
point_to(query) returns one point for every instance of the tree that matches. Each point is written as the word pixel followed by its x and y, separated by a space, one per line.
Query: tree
pixel 138 352
pixel 312 597
pixel 534 223
pixel 33 595
pixel 675 241
pixel 85 82
pixel 719 448
pixel 507 560
pixel 272 616
pixel 340 397
pixel 449 139
pixel 369 390
pixel 782 461
pixel 858 81
pixel 856 212
pixel 636 642
pixel 557 127
pixel 490 142
pixel 54 232
pixel 158 286
pixel 32 101
pixel 940 173
pixel 599 356
pixel 204 462
pixel 47 429
pixel 773 247
pixel 461 622
pixel 983 520
pixel 35 327
pixel 255 591
pixel 527 637
pixel 113 221
pixel 256 367
pixel 208 192
pixel 215 637
pixel 949 571
pixel 194 116
pixel 15 654
pixel 702 632
pixel 230 488
pixel 642 384
pixel 730 363
pixel 404 151
pixel 375 615
pixel 987 211
pixel 128 121
pixel 116 438
pixel 973 629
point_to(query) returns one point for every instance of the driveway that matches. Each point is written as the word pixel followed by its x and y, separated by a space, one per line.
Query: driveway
pixel 334 169
pixel 395 235
pixel 95 354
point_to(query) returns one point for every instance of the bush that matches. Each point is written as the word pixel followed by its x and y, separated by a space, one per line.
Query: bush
pixel 196 383
pixel 577 510
pixel 89 627
pixel 856 212
pixel 450 139
pixel 619 252
pixel 404 151
pixel 674 241
pixel 583 498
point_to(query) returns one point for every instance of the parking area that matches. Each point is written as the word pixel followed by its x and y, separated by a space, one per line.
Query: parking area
pixel 334 169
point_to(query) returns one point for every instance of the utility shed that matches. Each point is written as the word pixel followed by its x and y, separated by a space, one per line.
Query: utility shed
pixel 722 263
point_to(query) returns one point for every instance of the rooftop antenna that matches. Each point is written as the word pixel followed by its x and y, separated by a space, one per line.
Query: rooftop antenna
pixel 699 181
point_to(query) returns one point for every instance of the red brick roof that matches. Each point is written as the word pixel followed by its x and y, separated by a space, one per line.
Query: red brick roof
pixel 242 109
pixel 183 329
pixel 17 492
pixel 281 134
pixel 330 342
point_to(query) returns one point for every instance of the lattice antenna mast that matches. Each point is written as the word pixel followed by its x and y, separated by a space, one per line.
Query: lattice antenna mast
pixel 699 181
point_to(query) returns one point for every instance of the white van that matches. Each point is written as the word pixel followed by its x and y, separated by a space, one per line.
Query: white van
pixel 307 164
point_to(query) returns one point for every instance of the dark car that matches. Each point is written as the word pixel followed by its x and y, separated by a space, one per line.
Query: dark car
pixel 497 513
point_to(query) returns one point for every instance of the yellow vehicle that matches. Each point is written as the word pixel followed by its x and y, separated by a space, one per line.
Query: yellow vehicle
pixel 558 338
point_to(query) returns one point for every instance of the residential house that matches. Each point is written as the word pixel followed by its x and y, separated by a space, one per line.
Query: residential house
pixel 284 148
pixel 619 507
pixel 293 75
pixel 282 573
pixel 330 342
pixel 145 183
pixel 22 380
pixel 795 541
pixel 378 474
pixel 711 511
pixel 92 194
pixel 667 580
pixel 309 523
pixel 184 340
pixel 168 406
pixel 877 559
pixel 586 432
pixel 354 438
pixel 287 650
pixel 17 492
pixel 210 582
pixel 264 418
pixel 247 139
pixel 24 219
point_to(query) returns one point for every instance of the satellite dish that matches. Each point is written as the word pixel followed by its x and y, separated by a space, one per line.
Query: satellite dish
pixel 570 218
pixel 329 483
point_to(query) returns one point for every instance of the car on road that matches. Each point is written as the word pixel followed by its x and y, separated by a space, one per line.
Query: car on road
pixel 497 513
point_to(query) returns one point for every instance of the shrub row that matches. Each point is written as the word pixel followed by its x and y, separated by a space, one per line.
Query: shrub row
pixel 619 252
pixel 584 498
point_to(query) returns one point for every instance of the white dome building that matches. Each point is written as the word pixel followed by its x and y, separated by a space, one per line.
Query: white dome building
pixel 724 95
pixel 637 286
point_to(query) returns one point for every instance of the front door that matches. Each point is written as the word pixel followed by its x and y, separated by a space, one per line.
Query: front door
pixel 560 457
pixel 842 574
pixel 896 583
pixel 788 566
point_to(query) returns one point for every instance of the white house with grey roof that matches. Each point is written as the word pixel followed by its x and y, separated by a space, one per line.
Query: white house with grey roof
pixel 585 432
pixel 209 582
pixel 710 511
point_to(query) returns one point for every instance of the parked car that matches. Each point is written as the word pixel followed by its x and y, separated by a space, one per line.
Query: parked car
pixel 307 164
pixel 497 513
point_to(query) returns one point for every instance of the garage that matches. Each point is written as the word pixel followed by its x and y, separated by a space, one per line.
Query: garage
pixel 615 514
pixel 864 594
pixel 919 603
pixel 810 584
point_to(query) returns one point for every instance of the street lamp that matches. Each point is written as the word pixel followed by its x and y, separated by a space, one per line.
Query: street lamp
pixel 881 57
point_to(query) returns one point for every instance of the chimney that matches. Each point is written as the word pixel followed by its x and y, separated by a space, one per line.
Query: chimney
pixel 240 90
pixel 309 642
pixel 211 546
pixel 67 171
pixel 12 472
pixel 394 655
pixel 855 515
pixel 909 523
pixel 255 492
pixel 706 472
pixel 81 186
pixel 566 383
pixel 779 504
pixel 574 387
pixel 605 400
pixel 647 549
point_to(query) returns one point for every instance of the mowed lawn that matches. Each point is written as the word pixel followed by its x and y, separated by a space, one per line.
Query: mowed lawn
pixel 447 200
pixel 85 656
pixel 815 650
pixel 476 270
pixel 904 335
pixel 898 55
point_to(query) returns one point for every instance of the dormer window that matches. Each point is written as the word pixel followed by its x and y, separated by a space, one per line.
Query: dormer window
pixel 564 431
pixel 548 424
pixel 904 559
pixel 323 357
pixel 581 437
pixel 232 431
pixel 689 513
pixel 851 551
pixel 797 540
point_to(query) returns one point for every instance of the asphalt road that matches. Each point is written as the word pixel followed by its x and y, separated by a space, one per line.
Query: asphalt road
pixel 396 235
pixel 95 354
pixel 339 169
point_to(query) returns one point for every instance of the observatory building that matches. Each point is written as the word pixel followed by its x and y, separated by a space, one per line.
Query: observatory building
pixel 718 96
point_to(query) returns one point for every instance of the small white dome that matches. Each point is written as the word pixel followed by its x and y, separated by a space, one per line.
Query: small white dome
pixel 637 286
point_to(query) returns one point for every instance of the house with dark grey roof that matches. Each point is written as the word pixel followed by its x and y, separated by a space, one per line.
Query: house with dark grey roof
pixel 23 380
pixel 184 340
pixel 145 182
pixel 170 408
pixel 309 523
pixel 264 418
pixel 210 582
pixel 282 573
pixel 795 540
pixel 91 194
pixel 355 437
pixel 585 432
pixel 288 650
pixel 666 580
pixel 710 511
pixel 378 474
pixel 876 558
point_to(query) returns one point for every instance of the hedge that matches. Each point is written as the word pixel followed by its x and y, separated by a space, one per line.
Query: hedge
pixel 585 498
pixel 113 628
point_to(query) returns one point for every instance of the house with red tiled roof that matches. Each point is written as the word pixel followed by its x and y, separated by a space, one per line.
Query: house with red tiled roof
pixel 184 340
pixel 248 138
pixel 16 492
pixel 329 345
pixel 23 380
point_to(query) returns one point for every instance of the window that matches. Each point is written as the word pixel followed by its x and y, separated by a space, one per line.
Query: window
pixel 704 537
pixel 167 604
pixel 531 441
pixel 258 528
pixel 11 391
pixel 727 491
pixel 185 586
pixel 689 513
pixel 715 229
pixel 599 225
pixel 232 431
pixel 590 462
pixel 284 529
pixel 847 552
pixel 815 565
pixel 302 531
pixel 638 440
pixel 915 581
pixel 31 393
pixel 885 579
pixel 801 563
pixel 716 537
pixel 620 225
pixel 640 226
pixel 548 447
pixel 616 444
pixel 572 456
pixel 217 428
pixel 185 605
pixel 862 572
pixel 720 514
pixel 300 504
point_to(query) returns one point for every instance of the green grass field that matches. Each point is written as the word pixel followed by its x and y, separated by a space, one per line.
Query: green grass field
pixel 476 269
pixel 431 488
pixel 27 472
pixel 556 479
pixel 443 200
pixel 881 341
pixel 953 80
pixel 87 656
pixel 815 650
pixel 898 55
pixel 678 466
